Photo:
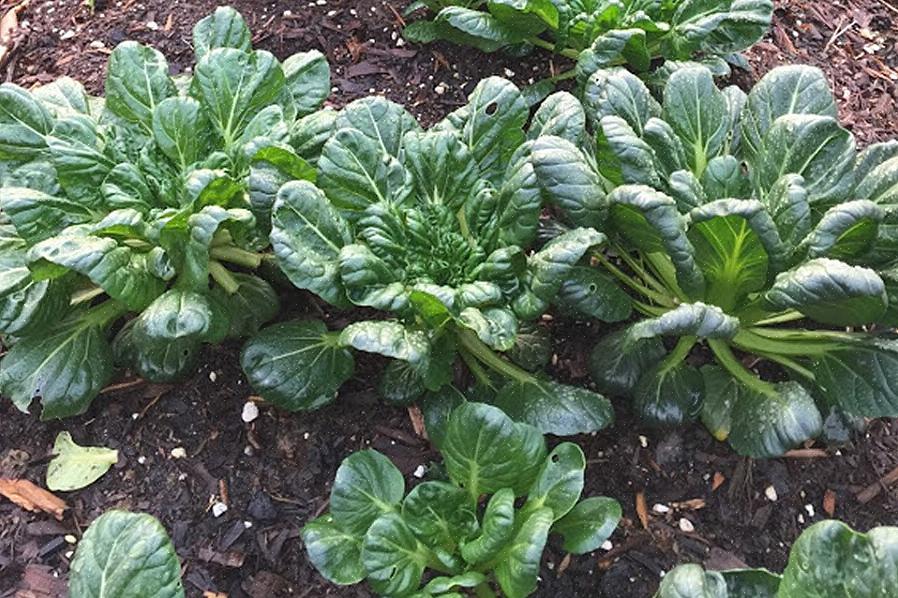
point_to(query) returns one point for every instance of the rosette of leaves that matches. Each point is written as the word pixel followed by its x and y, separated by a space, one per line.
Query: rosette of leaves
pixel 485 525
pixel 828 559
pixel 602 33
pixel 434 228
pixel 138 204
pixel 747 224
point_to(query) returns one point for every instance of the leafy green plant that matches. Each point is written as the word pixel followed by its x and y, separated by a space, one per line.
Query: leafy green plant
pixel 602 33
pixel 433 227
pixel 828 559
pixel 125 554
pixel 132 203
pixel 376 532
pixel 746 224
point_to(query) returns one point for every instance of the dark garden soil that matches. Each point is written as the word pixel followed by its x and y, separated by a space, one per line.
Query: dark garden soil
pixel 274 473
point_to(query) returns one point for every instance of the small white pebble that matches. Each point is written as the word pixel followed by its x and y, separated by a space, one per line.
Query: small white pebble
pixel 607 545
pixel 289 13
pixel 213 376
pixel 69 538
pixel 178 453
pixel 182 477
pixel 250 412
pixel 643 441
pixel 135 416
pixel 508 72
pixel 305 436
pixel 400 42
pixel 661 509
pixel 800 518
pixel 810 509
pixel 67 34
pixel 770 493
pixel 686 525
pixel 152 25
pixel 69 554
pixel 248 451
pixel 219 509
pixel 440 89
pixel 419 471
pixel 97 44
pixel 142 460
pixel 247 524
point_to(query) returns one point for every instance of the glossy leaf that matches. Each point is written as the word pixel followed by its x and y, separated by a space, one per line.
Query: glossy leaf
pixel 335 553
pixel 586 527
pixel 367 485
pixel 394 558
pixel 555 408
pixel 502 454
pixel 137 81
pixel 518 570
pixel 296 365
pixel 831 292
pixel 126 554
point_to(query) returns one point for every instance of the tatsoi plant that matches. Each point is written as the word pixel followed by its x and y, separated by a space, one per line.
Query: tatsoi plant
pixel 138 203
pixel 434 228
pixel 828 559
pixel 125 554
pixel 471 530
pixel 745 224
pixel 601 33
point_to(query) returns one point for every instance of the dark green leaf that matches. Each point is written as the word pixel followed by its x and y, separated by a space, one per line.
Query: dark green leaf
pixel 668 395
pixel 497 530
pixel 518 570
pixel 588 524
pixel 560 481
pixel 860 378
pixel 616 364
pixel 485 451
pixel 367 485
pixel 136 82
pixel 307 234
pixel 831 292
pixel 126 554
pixel 555 408
pixel 296 365
pixel 595 294
pixel 225 28
pixel 394 558
pixel 335 553
pixel 439 514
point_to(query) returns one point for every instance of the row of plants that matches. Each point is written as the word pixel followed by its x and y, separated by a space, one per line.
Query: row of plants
pixel 377 532
pixel 707 230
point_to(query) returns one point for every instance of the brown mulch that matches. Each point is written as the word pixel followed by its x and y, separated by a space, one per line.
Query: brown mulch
pixel 855 42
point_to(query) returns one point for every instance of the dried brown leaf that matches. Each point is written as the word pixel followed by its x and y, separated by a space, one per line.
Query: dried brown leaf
pixel 32 497
pixel 829 502
pixel 642 510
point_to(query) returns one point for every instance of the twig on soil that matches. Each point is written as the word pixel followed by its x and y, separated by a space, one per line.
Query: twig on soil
pixel 808 453
pixel 839 32
pixel 149 405
pixel 398 16
pixel 123 385
pixel 873 490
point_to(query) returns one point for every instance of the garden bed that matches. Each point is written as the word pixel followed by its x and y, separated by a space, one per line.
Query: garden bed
pixel 274 473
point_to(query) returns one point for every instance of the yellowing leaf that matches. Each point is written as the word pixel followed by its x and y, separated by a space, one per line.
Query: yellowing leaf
pixel 75 467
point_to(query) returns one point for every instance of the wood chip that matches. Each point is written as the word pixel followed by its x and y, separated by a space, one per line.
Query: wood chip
pixel 414 414
pixel 718 481
pixel 32 497
pixel 873 490
pixel 208 594
pixel 807 453
pixel 564 564
pixel 829 502
pixel 230 558
pixel 693 504
pixel 642 510
pixel 9 23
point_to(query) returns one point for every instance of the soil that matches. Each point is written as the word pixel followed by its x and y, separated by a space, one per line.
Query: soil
pixel 274 474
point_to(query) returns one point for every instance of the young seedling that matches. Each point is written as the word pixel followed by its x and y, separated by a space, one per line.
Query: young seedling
pixel 468 532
